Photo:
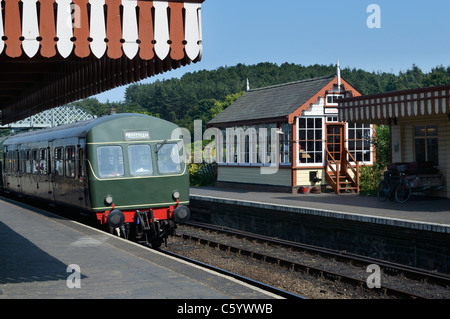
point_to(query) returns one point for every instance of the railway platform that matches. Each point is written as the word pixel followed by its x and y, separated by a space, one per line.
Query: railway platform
pixel 44 256
pixel 422 213
pixel 416 233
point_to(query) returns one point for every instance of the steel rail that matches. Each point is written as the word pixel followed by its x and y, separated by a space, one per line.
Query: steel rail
pixel 274 290
pixel 388 267
pixel 315 271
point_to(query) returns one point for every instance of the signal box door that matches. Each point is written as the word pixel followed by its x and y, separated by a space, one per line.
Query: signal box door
pixel 335 140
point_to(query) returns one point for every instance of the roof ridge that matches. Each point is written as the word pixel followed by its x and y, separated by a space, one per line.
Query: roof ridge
pixel 293 82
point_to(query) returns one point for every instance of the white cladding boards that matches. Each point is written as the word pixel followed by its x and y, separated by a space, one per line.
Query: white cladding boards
pixel 23 30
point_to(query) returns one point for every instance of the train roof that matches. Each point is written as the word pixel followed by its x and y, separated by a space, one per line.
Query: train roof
pixel 82 128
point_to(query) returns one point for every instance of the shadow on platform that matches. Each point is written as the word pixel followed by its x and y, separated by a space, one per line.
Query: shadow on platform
pixel 22 261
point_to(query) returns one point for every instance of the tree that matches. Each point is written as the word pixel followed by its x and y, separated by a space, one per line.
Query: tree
pixel 219 106
pixel 382 145
pixel 204 94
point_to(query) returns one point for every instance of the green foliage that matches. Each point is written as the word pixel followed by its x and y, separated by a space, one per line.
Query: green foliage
pixel 382 145
pixel 369 178
pixel 219 106
pixel 203 94
pixel 201 174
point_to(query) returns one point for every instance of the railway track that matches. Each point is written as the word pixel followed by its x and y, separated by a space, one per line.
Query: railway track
pixel 271 289
pixel 339 256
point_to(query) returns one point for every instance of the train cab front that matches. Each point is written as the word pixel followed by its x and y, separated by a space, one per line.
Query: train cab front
pixel 146 225
pixel 139 183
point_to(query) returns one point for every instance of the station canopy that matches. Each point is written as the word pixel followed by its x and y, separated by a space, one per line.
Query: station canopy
pixel 388 108
pixel 53 52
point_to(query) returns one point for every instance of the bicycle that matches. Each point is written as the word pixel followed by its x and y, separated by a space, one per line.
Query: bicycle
pixel 390 188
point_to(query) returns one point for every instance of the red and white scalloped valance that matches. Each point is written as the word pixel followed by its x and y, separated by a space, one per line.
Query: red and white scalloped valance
pixel 388 107
pixel 101 27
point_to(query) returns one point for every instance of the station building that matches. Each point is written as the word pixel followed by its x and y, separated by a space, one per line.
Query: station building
pixel 288 137
pixel 419 121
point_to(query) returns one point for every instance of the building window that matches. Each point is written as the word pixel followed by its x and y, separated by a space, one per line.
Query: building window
pixel 285 144
pixel 332 119
pixel 310 140
pixel 332 99
pixel 257 144
pixel 426 144
pixel 359 136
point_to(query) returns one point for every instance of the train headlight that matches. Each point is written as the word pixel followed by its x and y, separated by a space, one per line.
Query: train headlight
pixel 176 194
pixel 181 214
pixel 108 199
pixel 116 218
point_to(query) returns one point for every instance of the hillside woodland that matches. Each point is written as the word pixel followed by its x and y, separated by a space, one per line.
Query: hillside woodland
pixel 202 95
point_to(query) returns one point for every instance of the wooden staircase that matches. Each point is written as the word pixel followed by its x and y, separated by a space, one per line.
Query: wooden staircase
pixel 337 173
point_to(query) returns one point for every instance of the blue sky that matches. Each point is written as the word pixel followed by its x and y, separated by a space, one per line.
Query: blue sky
pixel 320 32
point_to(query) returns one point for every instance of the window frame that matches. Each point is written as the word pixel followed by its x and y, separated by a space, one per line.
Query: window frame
pixel 365 140
pixel 315 140
pixel 130 161
pixel 119 173
pixel 427 142
pixel 59 169
pixel 158 149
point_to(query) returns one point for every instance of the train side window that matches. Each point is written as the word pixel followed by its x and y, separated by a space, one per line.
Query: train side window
pixel 110 161
pixel 16 161
pixel 22 161
pixel 70 161
pixel 81 163
pixel 140 159
pixel 59 161
pixel 43 161
pixel 49 160
pixel 4 160
pixel 35 162
pixel 8 162
pixel 28 161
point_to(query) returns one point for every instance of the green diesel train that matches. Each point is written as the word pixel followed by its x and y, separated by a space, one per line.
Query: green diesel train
pixel 128 170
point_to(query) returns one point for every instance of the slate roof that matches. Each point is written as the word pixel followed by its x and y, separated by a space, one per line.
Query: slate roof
pixel 271 102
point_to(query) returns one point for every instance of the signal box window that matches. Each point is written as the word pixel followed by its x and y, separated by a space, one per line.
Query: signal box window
pixel 310 137
pixel 169 160
pixel 140 160
pixel 110 161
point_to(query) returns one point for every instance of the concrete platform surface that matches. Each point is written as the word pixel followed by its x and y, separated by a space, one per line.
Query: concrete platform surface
pixel 419 212
pixel 46 256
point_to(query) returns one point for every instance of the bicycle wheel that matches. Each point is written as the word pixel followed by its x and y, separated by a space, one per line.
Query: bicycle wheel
pixel 384 191
pixel 403 192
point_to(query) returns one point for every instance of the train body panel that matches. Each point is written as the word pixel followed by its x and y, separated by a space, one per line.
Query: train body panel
pixel 126 165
